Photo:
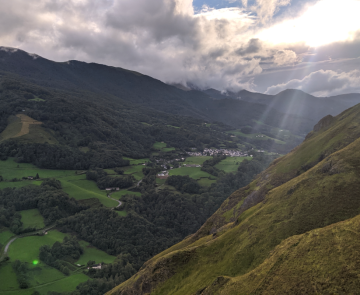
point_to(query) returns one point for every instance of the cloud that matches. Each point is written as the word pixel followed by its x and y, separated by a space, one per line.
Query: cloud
pixel 323 83
pixel 285 57
pixel 165 39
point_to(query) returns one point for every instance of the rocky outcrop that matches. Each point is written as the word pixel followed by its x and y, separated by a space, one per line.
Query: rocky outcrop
pixel 324 123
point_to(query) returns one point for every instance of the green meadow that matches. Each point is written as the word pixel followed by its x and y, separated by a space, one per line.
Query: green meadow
pixel 137 161
pixel 259 136
pixel 27 249
pixel 231 164
pixel 162 147
pixel 43 278
pixel 32 218
pixel 134 170
pixel 206 181
pixel 196 160
pixel 118 194
pixel 81 189
pixel 92 253
pixel 193 172
pixel 74 184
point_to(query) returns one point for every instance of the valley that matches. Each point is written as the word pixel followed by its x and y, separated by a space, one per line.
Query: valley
pixel 155 179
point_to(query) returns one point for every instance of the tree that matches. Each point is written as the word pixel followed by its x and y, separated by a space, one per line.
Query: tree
pixel 37 176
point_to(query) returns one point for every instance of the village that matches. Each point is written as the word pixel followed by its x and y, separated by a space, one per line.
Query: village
pixel 213 152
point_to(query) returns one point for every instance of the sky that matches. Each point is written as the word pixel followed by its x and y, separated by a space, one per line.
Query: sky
pixel 263 46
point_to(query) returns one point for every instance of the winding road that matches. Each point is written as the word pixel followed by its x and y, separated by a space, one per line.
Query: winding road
pixel 3 255
pixel 120 203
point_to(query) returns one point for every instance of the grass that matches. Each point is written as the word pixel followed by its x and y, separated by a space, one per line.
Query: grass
pixel 121 213
pixel 92 253
pixel 196 160
pixel 38 99
pixel 135 170
pixel 80 189
pixel 5 235
pixel 162 147
pixel 231 164
pixel 237 132
pixel 42 279
pixel 30 252
pixel 7 278
pixel 137 161
pixel 193 172
pixel 9 169
pixel 302 238
pixel 159 145
pixel 206 181
pixel 32 218
pixel 117 195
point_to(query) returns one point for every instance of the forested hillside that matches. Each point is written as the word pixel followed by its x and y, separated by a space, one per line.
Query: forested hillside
pixel 292 230
pixel 119 85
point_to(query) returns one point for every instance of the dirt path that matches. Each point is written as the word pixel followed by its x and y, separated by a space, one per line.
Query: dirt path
pixel 26 122
pixel 120 203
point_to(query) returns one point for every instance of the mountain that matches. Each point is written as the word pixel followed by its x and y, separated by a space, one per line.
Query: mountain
pixel 293 230
pixel 119 86
pixel 295 102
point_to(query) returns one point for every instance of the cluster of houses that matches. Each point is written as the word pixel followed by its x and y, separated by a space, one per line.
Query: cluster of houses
pixel 213 152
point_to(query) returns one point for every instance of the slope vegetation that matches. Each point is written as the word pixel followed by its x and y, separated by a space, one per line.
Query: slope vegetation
pixel 284 231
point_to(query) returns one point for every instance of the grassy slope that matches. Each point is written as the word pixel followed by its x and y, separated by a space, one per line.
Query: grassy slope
pixel 193 172
pixel 325 194
pixel 75 185
pixel 32 218
pixel 231 164
pixel 42 277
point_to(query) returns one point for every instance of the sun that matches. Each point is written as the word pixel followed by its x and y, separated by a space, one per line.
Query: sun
pixel 325 22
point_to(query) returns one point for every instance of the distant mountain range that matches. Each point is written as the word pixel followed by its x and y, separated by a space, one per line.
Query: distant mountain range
pixel 291 109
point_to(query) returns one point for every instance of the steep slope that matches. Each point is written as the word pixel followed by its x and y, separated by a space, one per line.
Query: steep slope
pixel 251 244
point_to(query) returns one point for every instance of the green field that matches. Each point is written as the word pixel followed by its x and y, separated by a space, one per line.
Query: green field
pixel 41 278
pixel 9 169
pixel 135 170
pixel 27 249
pixel 137 161
pixel 5 235
pixel 230 164
pixel 117 195
pixel 162 147
pixel 237 132
pixel 80 189
pixel 32 218
pixel 75 185
pixel 206 181
pixel 193 172
pixel 92 253
pixel 159 145
pixel 37 99
pixel 196 160
pixel 121 213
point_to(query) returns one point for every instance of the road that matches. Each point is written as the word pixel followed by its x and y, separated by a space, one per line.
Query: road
pixel 120 203
pixel 2 256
